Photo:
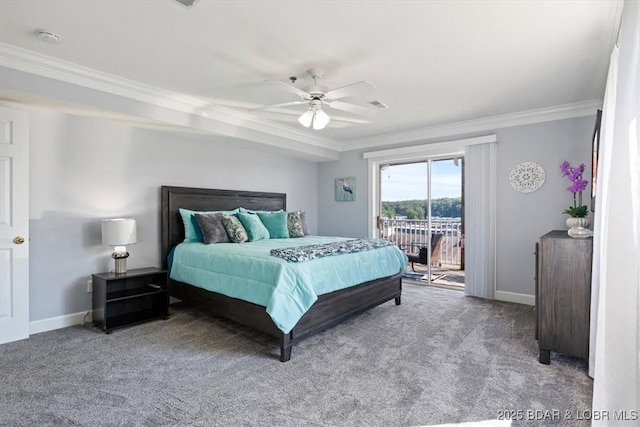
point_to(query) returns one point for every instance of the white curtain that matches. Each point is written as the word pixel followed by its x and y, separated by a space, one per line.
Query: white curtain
pixel 600 218
pixel 615 334
pixel 480 219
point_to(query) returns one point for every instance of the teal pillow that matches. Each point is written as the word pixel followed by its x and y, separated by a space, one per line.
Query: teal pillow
pixel 255 228
pixel 276 223
pixel 192 231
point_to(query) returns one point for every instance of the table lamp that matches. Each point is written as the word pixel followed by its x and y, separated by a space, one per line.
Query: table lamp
pixel 119 232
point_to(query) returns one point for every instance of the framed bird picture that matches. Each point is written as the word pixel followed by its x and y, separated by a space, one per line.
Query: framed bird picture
pixel 345 189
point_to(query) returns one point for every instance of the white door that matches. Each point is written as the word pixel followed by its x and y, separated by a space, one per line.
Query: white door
pixel 14 225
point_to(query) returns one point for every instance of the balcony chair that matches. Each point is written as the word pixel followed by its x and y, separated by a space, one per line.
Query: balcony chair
pixel 421 256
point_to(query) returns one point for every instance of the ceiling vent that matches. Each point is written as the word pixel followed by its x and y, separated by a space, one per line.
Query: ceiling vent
pixel 379 104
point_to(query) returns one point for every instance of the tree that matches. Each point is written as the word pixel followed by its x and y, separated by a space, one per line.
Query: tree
pixel 388 211
pixel 445 207
pixel 415 212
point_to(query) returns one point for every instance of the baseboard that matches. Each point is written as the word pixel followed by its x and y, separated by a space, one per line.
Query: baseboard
pixel 517 298
pixel 57 322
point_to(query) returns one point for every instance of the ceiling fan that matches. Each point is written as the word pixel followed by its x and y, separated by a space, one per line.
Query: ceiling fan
pixel 316 96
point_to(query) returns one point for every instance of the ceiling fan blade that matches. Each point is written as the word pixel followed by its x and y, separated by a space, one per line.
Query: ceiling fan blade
pixel 350 120
pixel 292 89
pixel 284 104
pixel 361 88
pixel 351 108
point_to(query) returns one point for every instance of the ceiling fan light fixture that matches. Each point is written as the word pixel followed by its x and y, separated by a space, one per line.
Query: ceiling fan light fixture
pixel 306 118
pixel 320 120
pixel 314 118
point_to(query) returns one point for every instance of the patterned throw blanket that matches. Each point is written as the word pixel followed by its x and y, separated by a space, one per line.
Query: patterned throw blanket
pixel 306 253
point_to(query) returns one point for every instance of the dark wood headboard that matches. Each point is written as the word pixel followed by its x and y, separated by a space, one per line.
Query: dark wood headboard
pixel 205 199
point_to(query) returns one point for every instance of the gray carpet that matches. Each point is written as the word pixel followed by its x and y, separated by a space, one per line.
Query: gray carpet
pixel 439 357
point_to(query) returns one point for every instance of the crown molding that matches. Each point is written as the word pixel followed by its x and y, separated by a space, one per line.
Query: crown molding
pixel 485 124
pixel 45 66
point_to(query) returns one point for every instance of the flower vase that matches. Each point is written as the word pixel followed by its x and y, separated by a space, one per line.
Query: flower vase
pixel 578 227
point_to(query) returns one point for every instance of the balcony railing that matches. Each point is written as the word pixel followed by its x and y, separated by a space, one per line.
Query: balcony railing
pixel 411 234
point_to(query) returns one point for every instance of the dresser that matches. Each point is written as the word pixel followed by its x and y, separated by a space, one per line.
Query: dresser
pixel 563 294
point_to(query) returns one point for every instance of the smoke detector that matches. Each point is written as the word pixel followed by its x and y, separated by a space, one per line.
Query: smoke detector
pixel 187 3
pixel 49 36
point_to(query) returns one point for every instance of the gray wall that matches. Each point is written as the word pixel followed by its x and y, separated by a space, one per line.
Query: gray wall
pixel 85 169
pixel 521 218
pixel 348 219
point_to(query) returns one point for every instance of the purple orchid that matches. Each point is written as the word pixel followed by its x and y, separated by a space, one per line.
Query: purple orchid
pixel 578 185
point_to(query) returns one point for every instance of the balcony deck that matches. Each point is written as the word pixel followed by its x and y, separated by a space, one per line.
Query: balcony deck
pixel 448 271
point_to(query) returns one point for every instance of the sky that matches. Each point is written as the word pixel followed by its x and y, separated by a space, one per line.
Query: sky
pixel 409 182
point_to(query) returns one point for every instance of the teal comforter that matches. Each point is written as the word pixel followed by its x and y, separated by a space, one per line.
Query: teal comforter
pixel 248 272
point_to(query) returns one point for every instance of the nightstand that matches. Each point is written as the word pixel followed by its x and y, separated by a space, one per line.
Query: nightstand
pixel 129 298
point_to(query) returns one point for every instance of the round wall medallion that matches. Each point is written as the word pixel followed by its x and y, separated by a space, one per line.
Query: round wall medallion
pixel 526 177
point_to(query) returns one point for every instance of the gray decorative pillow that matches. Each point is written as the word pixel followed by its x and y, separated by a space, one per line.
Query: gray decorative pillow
pixel 305 226
pixel 294 224
pixel 212 228
pixel 234 228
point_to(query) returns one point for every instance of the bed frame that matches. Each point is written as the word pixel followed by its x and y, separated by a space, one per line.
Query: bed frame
pixel 329 310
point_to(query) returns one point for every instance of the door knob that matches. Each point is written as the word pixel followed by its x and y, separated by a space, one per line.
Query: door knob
pixel 18 240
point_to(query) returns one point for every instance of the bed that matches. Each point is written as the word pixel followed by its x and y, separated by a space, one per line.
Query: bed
pixel 327 311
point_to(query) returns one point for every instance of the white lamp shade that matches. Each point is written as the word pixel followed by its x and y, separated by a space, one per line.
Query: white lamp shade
pixel 320 120
pixel 119 231
pixel 305 118
pixel 315 118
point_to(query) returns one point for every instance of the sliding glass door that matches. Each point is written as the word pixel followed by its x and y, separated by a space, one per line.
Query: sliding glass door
pixel 421 205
